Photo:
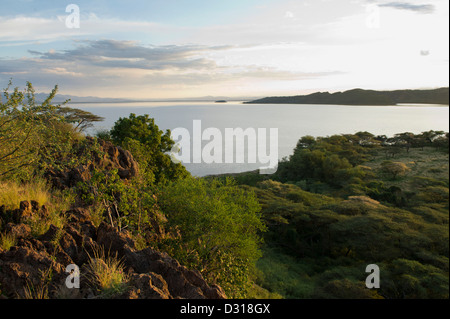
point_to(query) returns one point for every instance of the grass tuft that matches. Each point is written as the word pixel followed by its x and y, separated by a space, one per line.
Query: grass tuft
pixel 106 273
pixel 7 241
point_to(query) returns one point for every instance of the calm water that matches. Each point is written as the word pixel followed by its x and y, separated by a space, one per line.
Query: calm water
pixel 292 121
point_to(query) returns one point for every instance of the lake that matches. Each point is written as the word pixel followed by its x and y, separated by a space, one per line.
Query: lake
pixel 292 121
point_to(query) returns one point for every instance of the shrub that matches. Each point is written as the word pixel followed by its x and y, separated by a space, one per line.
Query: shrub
pixel 394 169
pixel 219 224
pixel 126 203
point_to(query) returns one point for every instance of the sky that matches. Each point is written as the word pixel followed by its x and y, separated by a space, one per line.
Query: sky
pixel 153 49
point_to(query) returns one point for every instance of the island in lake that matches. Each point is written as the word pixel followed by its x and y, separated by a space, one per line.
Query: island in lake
pixel 363 97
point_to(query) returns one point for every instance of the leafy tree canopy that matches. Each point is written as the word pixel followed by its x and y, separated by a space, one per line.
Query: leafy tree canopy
pixel 149 144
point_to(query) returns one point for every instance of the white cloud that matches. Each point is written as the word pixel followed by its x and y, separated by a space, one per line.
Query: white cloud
pixel 101 67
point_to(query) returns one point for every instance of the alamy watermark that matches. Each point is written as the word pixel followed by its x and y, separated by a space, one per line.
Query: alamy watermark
pixel 373 16
pixel 73 19
pixel 73 279
pixel 211 145
pixel 373 280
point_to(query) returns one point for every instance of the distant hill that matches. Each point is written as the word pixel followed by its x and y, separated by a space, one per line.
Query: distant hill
pixel 363 97
pixel 59 98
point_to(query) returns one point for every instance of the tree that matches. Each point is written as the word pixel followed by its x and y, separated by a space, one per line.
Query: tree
pixel 430 136
pixel 22 121
pixel 442 142
pixel 142 137
pixel 394 169
pixel 306 142
pixel 79 118
pixel 366 139
pixel 332 166
pixel 404 140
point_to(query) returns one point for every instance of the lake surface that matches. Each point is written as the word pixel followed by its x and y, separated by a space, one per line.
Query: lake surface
pixel 292 121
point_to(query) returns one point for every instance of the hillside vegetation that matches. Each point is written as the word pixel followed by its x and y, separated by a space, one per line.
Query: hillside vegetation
pixel 119 201
pixel 140 226
pixel 342 202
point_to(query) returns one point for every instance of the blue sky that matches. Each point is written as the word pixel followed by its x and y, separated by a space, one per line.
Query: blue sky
pixel 192 48
pixel 181 12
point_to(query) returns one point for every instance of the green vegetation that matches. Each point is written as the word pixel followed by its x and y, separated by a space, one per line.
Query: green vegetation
pixel 219 225
pixel 341 203
pixel 106 274
pixel 336 205
pixel 363 97
pixel 7 241
pixel 149 145
pixel 209 226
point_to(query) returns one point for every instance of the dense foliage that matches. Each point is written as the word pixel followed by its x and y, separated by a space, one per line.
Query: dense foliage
pixel 219 226
pixel 149 145
pixel 22 123
pixel 343 202
pixel 36 137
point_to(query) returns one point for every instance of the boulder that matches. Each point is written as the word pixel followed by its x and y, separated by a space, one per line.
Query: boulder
pixel 24 269
pixel 146 286
pixel 18 231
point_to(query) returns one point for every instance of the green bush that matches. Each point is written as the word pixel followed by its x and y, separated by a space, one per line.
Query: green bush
pixel 142 137
pixel 219 225
pixel 126 203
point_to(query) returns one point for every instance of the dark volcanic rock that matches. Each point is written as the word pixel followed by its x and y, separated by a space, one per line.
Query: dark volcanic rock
pixel 37 266
pixel 181 282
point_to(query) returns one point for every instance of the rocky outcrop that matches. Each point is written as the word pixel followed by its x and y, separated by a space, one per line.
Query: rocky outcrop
pixel 107 157
pixel 36 267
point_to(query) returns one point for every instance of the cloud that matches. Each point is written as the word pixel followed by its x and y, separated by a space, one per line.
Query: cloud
pixel 128 54
pixel 420 8
pixel 94 67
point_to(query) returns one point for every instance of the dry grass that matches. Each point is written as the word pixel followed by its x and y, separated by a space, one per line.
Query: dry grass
pixel 7 241
pixel 428 163
pixel 39 290
pixel 12 193
pixel 106 273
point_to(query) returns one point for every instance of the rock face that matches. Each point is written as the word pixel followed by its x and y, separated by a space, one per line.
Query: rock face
pixel 110 157
pixel 36 267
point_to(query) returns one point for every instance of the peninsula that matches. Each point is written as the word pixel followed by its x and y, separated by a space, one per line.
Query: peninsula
pixel 363 97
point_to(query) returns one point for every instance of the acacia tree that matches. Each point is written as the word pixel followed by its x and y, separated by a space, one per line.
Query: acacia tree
pixel 404 140
pixel 80 119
